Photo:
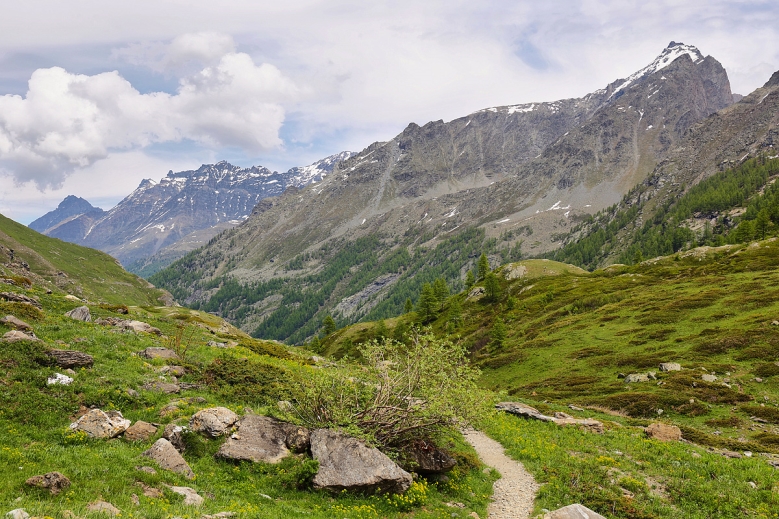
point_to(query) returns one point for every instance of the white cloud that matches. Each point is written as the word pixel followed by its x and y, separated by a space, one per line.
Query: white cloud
pixel 180 55
pixel 68 121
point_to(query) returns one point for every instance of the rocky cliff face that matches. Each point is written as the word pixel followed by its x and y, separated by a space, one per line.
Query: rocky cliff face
pixel 512 171
pixel 180 212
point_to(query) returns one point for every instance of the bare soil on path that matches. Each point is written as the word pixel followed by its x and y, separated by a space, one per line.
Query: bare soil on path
pixel 515 492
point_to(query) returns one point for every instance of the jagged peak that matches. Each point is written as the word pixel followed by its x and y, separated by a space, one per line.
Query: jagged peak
pixel 670 54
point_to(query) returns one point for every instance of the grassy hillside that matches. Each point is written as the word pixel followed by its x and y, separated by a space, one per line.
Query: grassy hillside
pixel 65 267
pixel 250 374
pixel 569 337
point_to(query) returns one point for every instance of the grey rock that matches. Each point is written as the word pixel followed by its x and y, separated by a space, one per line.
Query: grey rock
pixel 706 377
pixel 158 353
pixel 175 435
pixel 140 431
pixel 296 438
pixel 19 513
pixel 524 410
pixel 17 335
pixel 257 438
pixel 213 422
pixel 139 326
pixel 346 463
pixel 71 358
pixel 637 377
pixel 59 379
pixel 17 324
pixel 424 457
pixel 670 366
pixel 103 507
pixel 163 387
pixel 168 458
pixel 575 511
pixel 174 371
pixel 99 424
pixel 80 313
pixel 20 298
pixel 54 482
pixel 191 498
pixel 664 432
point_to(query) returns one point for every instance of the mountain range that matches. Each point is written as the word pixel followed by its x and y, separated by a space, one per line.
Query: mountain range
pixel 511 181
pixel 161 221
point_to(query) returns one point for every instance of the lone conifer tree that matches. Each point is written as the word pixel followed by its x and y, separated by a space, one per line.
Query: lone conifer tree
pixel 328 325
pixel 428 303
pixel 483 266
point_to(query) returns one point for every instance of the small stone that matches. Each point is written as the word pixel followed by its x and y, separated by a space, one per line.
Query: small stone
pixel 140 431
pixel 213 422
pixel 573 408
pixel 731 454
pixel 19 513
pixel 748 454
pixel 54 482
pixel 103 506
pixel 708 378
pixel 752 484
pixel 158 353
pixel 670 366
pixel 659 412
pixel 71 297
pixel 133 393
pixel 80 313
pixel 191 498
pixel 16 335
pixel 664 432
pixel 135 499
pixel 758 379
pixel 148 470
pixel 59 380
pixel 175 435
pixel 695 454
pixel 169 458
pixel 148 491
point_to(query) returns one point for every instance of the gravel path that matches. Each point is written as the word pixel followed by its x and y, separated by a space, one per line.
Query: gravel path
pixel 515 491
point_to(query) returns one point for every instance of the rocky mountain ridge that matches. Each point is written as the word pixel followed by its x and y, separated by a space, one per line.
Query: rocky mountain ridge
pixel 511 172
pixel 178 213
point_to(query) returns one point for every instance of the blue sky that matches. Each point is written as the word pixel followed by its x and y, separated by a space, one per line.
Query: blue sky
pixel 96 96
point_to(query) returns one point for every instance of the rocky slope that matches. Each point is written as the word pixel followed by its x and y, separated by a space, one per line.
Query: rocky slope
pixel 177 214
pixel 512 171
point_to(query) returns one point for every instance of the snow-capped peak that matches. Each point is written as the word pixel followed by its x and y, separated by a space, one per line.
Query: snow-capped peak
pixel 669 54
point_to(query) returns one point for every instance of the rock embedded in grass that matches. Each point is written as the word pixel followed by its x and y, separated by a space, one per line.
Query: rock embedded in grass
pixel 104 507
pixel 54 482
pixel 257 438
pixel 575 511
pixel 71 358
pixel 140 431
pixel 670 366
pixel 157 352
pixel 191 498
pixel 18 513
pixel 168 458
pixel 99 424
pixel 16 335
pixel 17 324
pixel 346 463
pixel 80 313
pixel 663 432
pixel 213 422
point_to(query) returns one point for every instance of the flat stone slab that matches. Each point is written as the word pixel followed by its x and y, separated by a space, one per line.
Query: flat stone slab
pixel 576 511
pixel 54 482
pixel 258 438
pixel 158 353
pixel 18 335
pixel 346 463
pixel 17 324
pixel 140 431
pixel 562 419
pixel 168 458
pixel 191 498
pixel 71 358
pixel 670 366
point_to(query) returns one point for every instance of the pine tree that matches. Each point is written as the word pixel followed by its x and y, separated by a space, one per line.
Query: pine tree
pixel 427 304
pixel 441 291
pixel 455 314
pixel 408 306
pixel 470 280
pixel 328 325
pixel 492 287
pixel 483 266
pixel 498 333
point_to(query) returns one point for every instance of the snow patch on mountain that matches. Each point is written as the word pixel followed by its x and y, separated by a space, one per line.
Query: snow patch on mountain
pixel 668 56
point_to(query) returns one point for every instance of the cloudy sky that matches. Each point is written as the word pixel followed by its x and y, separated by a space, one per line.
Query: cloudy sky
pixel 96 95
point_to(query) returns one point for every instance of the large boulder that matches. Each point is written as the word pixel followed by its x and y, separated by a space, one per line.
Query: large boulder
pixel 213 422
pixel 158 353
pixel 258 438
pixel 71 358
pixel 54 482
pixel 80 313
pixel 576 511
pixel 99 424
pixel 346 463
pixel 16 324
pixel 168 458
pixel 425 457
pixel 663 432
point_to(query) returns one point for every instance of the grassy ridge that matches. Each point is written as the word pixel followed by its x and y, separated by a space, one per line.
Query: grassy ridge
pixel 85 272
pixel 569 334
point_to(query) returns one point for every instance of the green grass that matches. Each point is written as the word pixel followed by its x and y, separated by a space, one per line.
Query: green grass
pixel 35 439
pixel 84 272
